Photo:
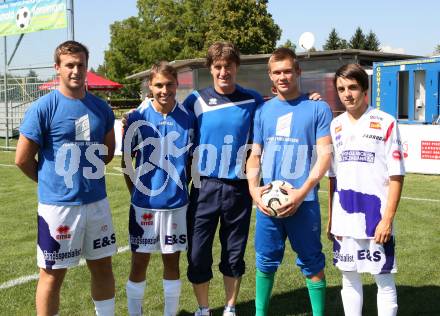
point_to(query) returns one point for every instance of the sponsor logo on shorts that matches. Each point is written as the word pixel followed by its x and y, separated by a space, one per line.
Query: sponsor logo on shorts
pixel 174 239
pixel 343 257
pixel 104 241
pixel 357 155
pixel 147 219
pixel 52 256
pixel 143 241
pixel 63 232
pixel 366 255
pixel 375 125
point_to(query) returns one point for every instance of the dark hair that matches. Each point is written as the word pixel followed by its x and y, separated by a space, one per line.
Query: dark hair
pixel 223 50
pixel 164 68
pixel 283 53
pixel 353 72
pixel 68 48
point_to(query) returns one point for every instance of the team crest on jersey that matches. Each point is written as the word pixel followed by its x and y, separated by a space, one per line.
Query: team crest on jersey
pixel 147 219
pixel 82 128
pixel 212 101
pixel 375 125
pixel 338 129
pixel 63 232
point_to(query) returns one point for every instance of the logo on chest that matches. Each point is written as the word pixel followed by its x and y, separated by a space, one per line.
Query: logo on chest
pixel 284 124
pixel 82 128
pixel 377 138
pixel 375 125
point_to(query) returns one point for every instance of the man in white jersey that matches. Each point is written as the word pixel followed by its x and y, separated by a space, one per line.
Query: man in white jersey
pixel 366 181
pixel 72 132
pixel 159 134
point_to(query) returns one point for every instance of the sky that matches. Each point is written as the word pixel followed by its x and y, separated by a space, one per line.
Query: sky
pixel 410 27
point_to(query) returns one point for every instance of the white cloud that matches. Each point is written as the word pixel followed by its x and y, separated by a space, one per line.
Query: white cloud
pixel 389 49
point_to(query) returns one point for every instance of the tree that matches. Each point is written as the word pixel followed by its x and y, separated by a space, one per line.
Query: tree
pixel 358 40
pixel 333 41
pixel 246 23
pixel 371 42
pixel 289 44
pixel 344 44
pixel 437 50
pixel 195 16
pixel 181 29
pixel 32 76
pixel 123 57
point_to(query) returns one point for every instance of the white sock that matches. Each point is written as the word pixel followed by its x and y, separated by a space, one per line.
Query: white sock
pixel 351 293
pixel 386 295
pixel 171 293
pixel 203 310
pixel 135 297
pixel 105 307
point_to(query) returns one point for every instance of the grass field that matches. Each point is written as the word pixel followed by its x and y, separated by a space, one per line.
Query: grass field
pixel 418 252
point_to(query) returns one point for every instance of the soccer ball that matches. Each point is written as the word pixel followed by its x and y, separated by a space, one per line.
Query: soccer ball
pixel 23 18
pixel 275 196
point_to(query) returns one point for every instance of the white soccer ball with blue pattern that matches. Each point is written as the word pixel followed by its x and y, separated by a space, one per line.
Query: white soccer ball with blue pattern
pixel 276 196
pixel 23 18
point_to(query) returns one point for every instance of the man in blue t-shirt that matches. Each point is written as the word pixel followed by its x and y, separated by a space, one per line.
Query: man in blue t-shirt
pixel 72 132
pixel 291 142
pixel 219 192
pixel 159 135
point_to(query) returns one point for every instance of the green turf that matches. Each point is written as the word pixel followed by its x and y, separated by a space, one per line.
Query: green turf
pixel 418 249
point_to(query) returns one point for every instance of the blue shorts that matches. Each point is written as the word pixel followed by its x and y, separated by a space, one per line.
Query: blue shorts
pixel 304 232
pixel 227 202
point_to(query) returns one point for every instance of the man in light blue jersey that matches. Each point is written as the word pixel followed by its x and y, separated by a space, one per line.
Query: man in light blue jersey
pixel 159 135
pixel 291 142
pixel 72 132
pixel 220 193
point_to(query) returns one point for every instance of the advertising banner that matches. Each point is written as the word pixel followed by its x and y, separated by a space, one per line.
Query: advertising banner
pixel 27 16
pixel 421 148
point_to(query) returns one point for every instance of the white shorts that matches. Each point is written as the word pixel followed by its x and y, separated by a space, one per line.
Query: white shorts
pixel 157 231
pixel 364 255
pixel 65 233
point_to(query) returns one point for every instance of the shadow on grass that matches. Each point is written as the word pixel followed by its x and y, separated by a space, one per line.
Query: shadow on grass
pixel 423 300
